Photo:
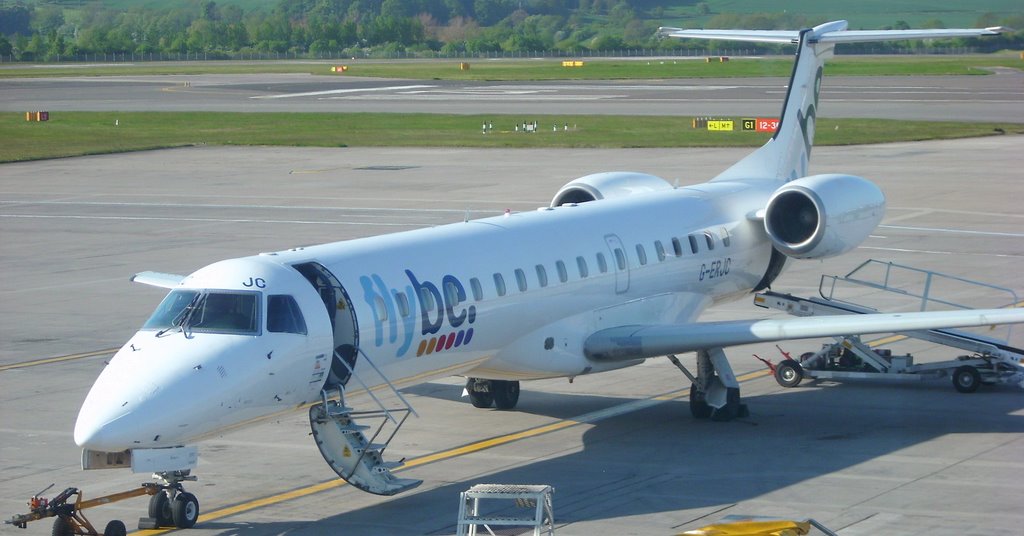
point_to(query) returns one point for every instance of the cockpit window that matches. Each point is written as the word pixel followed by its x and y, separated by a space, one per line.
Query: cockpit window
pixel 172 310
pixel 284 315
pixel 207 311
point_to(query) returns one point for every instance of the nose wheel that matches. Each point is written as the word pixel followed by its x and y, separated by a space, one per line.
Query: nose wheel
pixel 172 506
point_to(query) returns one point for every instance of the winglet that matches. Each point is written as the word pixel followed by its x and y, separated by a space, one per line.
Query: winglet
pixel 158 279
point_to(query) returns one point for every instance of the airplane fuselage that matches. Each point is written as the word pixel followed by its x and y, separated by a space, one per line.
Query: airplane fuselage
pixel 507 297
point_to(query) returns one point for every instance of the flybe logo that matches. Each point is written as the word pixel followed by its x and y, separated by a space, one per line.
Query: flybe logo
pixel 419 311
pixel 805 120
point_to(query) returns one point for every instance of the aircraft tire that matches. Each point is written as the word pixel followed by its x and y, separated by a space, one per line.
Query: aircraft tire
pixel 185 510
pixel 730 410
pixel 966 379
pixel 480 399
pixel 160 509
pixel 699 408
pixel 115 528
pixel 506 394
pixel 789 373
pixel 62 527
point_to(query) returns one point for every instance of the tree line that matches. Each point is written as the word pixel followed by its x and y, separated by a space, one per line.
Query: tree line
pixel 51 32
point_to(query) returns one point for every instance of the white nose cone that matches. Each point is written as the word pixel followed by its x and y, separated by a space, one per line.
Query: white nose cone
pixel 110 419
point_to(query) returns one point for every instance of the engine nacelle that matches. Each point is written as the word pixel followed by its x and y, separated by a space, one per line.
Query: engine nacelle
pixel 823 215
pixel 607 186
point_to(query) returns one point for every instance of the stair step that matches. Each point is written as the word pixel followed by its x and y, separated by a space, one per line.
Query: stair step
pixel 390 466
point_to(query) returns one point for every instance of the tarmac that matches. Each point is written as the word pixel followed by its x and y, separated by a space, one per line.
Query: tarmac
pixel 620 448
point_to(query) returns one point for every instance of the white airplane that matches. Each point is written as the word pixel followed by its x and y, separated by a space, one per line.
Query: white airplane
pixel 617 269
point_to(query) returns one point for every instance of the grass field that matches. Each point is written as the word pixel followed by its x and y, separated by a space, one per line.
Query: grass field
pixel 545 69
pixel 82 133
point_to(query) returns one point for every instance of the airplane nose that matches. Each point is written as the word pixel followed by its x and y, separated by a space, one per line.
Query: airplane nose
pixel 97 435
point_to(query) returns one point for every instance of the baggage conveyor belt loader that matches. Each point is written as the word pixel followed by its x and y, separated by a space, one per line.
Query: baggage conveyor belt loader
pixel 990 360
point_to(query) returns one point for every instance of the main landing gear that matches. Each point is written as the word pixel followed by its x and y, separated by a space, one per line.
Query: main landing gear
pixel 714 393
pixel 502 394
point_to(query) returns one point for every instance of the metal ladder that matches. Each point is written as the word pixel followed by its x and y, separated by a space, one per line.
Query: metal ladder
pixel 527 497
pixel 356 459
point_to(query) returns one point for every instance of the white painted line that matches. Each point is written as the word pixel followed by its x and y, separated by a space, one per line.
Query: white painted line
pixel 958 254
pixel 212 220
pixel 952 231
pixel 220 206
pixel 337 92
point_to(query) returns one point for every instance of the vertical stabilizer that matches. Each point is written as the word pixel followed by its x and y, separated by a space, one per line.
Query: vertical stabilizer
pixel 787 155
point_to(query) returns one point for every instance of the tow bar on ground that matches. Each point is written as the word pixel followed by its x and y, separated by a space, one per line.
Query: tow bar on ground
pixel 68 513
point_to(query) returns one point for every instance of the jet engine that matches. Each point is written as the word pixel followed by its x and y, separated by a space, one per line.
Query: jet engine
pixel 823 215
pixel 608 186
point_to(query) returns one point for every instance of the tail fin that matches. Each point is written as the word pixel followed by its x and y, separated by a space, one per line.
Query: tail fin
pixel 787 155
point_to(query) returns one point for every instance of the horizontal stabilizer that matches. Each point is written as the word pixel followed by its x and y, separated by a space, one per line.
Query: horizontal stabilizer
pixel 158 279
pixel 636 342
pixel 827 34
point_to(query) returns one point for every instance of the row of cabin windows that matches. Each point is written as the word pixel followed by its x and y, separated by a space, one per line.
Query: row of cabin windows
pixel 453 296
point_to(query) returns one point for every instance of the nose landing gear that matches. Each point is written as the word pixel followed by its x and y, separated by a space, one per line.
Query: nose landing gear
pixel 171 505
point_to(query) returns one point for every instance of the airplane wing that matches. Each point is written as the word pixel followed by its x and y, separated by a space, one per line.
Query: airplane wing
pixel 757 36
pixel 158 279
pixel 625 343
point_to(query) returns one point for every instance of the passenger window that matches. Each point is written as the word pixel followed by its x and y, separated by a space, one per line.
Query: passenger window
pixel 659 249
pixel 499 284
pixel 284 315
pixel 426 298
pixel 380 308
pixel 542 275
pixel 521 279
pixel 451 292
pixel 563 274
pixel 477 289
pixel 710 240
pixel 620 259
pixel 581 264
pixel 641 255
pixel 602 264
pixel 693 244
pixel 725 237
pixel 403 304
pixel 677 247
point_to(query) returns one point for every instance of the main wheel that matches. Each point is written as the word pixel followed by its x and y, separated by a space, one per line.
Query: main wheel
pixel 731 409
pixel 62 527
pixel 506 393
pixel 160 509
pixel 699 408
pixel 115 528
pixel 480 399
pixel 966 379
pixel 185 510
pixel 789 373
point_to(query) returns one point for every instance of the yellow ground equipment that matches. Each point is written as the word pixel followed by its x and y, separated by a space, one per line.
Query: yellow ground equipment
pixel 68 513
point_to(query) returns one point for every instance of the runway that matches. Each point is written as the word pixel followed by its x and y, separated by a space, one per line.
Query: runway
pixel 997 97
pixel 620 448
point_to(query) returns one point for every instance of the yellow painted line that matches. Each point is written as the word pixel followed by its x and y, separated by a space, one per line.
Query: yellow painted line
pixel 58 359
pixel 444 455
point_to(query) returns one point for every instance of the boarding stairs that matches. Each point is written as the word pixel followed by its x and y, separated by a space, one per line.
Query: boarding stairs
pixel 344 445
pixel 995 359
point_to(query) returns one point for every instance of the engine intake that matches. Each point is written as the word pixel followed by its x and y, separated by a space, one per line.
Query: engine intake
pixel 823 215
pixel 608 186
